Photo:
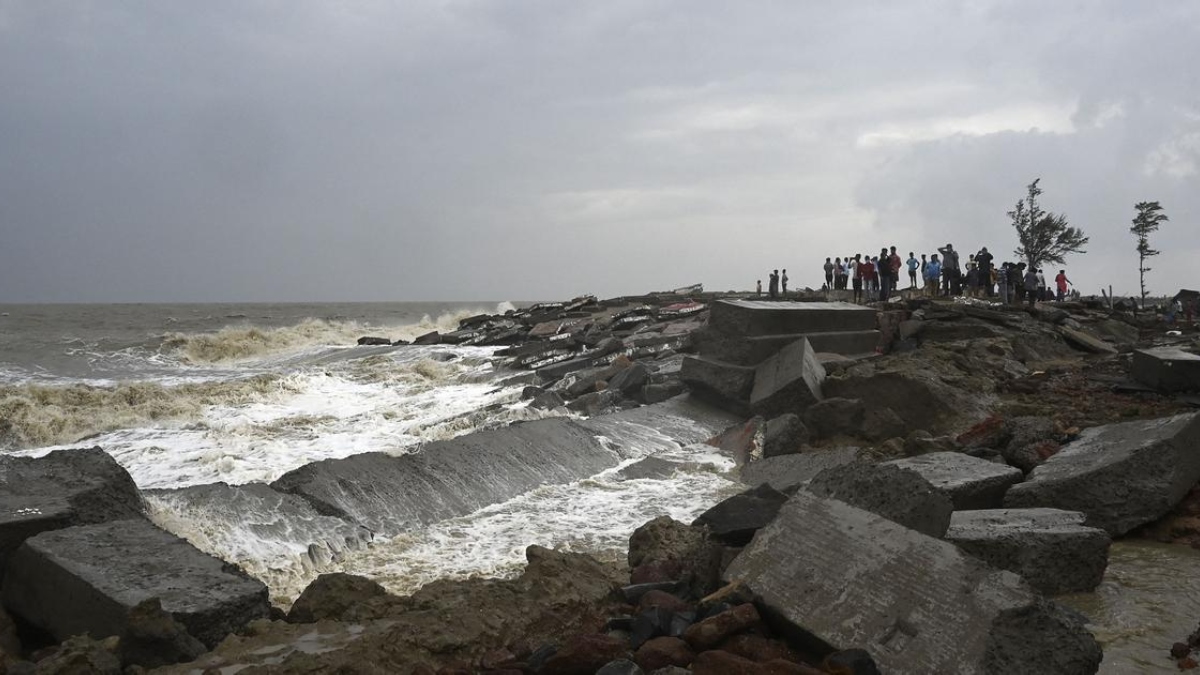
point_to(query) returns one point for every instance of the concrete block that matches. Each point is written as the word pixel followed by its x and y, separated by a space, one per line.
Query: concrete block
pixel 969 482
pixel 897 494
pixel 846 343
pixel 86 579
pixel 1167 369
pixel 1086 342
pixel 723 384
pixel 762 317
pixel 787 472
pixel 788 382
pixel 918 605
pixel 1052 550
pixel 1120 475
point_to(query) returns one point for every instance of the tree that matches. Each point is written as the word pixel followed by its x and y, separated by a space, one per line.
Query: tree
pixel 1043 237
pixel 1147 221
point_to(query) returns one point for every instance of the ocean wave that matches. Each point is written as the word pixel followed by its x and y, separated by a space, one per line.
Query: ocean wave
pixel 34 415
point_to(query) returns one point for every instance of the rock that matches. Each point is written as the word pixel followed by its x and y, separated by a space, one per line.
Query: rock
pixel 846 576
pixel 969 482
pixel 1167 369
pixel 921 442
pixel 330 595
pixel 1051 549
pixel 743 441
pixel 1088 343
pixel 835 417
pixel 649 624
pixel 850 662
pixel 992 432
pixel 910 329
pixel 531 391
pixel 1117 331
pixel 714 630
pixel 633 593
pixel 1027 433
pixel 882 423
pixel 650 467
pixel 630 380
pixel 656 393
pixel 432 338
pixel 594 403
pixel 153 638
pixel 717 662
pixel 661 598
pixel 61 489
pixel 788 382
pixel 368 340
pixel 620 667
pixel 725 385
pixel 86 579
pixel 585 654
pixel 787 472
pixel 547 400
pixel 757 648
pixel 1120 475
pixel 688 550
pixel 662 652
pixel 784 435
pixel 897 494
pixel 81 655
pixel 735 520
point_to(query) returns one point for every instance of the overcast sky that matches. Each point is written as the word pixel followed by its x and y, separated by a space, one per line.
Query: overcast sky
pixel 249 150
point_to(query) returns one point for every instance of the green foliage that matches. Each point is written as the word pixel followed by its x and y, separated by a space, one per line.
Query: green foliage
pixel 1149 217
pixel 1043 237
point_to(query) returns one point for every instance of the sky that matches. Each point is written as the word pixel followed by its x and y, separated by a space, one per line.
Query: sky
pixel 296 150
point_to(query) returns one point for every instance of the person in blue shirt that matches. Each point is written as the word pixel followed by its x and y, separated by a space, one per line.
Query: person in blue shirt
pixel 913 264
pixel 933 273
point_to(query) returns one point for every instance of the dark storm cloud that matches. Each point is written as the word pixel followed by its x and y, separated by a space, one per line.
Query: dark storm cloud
pixel 377 150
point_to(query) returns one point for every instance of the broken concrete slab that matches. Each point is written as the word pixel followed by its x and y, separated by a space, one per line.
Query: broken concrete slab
pixel 969 482
pixel 1051 549
pixel 1120 475
pixel 918 605
pixel 1088 343
pixel 788 382
pixel 1168 369
pixel 759 317
pixel 61 489
pixel 723 384
pixel 86 579
pixel 787 472
pixel 889 491
pixel 735 520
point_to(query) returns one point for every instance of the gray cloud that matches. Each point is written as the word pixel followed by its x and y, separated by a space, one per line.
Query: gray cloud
pixel 472 150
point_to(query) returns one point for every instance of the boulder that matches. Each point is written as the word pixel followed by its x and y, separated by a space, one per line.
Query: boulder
pixel 80 655
pixel 661 652
pixel 658 392
pixel 787 382
pixel 917 604
pixel 719 662
pixel 897 494
pixel 1051 549
pixel 881 424
pixel 620 667
pixel 723 384
pixel 787 472
pixel 87 579
pixel 585 654
pixel 784 435
pixel 969 482
pixel 678 551
pixel 1120 476
pixel 735 520
pixel 330 595
pixel 1027 434
pixel 1167 369
pixel 431 338
pixel 373 341
pixel 714 630
pixel 61 489
pixel 547 400
pixel 153 638
pixel 1088 343
pixel 630 380
pixel 835 417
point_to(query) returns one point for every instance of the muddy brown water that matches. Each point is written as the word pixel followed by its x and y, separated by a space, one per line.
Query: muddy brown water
pixel 1149 599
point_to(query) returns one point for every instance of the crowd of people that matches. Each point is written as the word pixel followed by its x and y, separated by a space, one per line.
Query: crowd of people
pixel 876 278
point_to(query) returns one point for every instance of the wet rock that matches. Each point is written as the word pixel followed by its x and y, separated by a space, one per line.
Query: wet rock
pixel 725 385
pixel 850 662
pixel 369 340
pixel 1051 549
pixel 1120 475
pixel 594 403
pixel 658 392
pixel 531 391
pixel 784 435
pixel 717 662
pixel 87 578
pixel 969 482
pixel 661 652
pixel 689 550
pixel 714 630
pixel 882 423
pixel 787 472
pixel 630 380
pixel 897 494
pixel 153 638
pixel 758 648
pixel 61 489
pixel 81 655
pixel 663 599
pixel 649 624
pixel 788 382
pixel 330 595
pixel 547 400
pixel 835 417
pixel 650 467
pixel 10 644
pixel 839 574
pixel 585 654
pixel 735 520
pixel 431 338
pixel 620 667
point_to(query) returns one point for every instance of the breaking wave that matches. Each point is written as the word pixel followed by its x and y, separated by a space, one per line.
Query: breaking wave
pixel 33 415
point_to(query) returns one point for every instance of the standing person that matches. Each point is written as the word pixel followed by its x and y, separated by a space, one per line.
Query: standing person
pixel 896 264
pixel 1041 286
pixel 933 270
pixel 984 260
pixel 884 269
pixel 829 273
pixel 1002 279
pixel 1031 285
pixel 758 291
pixel 1061 282
pixel 870 272
pixel 951 276
pixel 783 284
pixel 913 263
pixel 856 279
pixel 773 284
pixel 924 262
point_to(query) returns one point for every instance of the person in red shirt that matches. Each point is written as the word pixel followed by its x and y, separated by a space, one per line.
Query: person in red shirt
pixel 1061 282
pixel 870 277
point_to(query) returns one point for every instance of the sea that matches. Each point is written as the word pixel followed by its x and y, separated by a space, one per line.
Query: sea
pixel 204 404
